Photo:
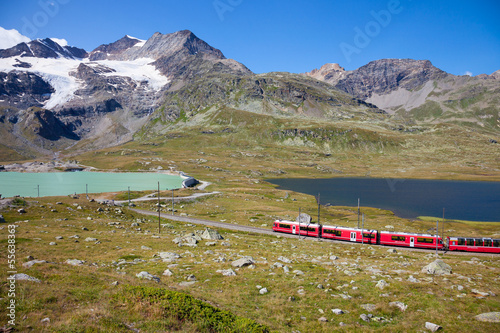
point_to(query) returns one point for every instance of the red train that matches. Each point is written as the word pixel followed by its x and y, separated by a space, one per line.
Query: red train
pixel 423 241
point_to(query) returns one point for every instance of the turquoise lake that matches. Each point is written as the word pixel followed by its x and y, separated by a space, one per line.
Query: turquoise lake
pixel 65 183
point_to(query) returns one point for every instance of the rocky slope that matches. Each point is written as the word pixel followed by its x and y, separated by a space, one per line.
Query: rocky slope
pixel 417 92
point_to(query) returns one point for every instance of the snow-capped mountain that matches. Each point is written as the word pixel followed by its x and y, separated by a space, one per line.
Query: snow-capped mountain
pixel 111 89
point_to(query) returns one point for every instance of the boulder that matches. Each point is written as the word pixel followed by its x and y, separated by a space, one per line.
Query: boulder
pixel 304 218
pixel 399 305
pixel 211 234
pixel 432 327
pixel 263 291
pixel 32 262
pixel 381 284
pixel 438 267
pixel 337 311
pixel 2 219
pixel 169 256
pixel 75 262
pixel 168 272
pixel 492 317
pixel 90 239
pixel 285 260
pixel 24 277
pixel 227 272
pixel 148 276
pixel 188 240
pixel 364 317
pixel 242 262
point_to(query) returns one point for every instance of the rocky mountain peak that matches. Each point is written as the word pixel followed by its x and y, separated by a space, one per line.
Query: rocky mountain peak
pixel 386 75
pixel 43 48
pixel 113 49
pixel 165 45
pixel 330 73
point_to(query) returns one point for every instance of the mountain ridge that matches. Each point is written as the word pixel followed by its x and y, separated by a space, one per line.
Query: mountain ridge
pixel 110 93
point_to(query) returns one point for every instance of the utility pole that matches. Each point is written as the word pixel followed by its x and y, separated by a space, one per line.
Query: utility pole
pixel 159 227
pixel 38 190
pixel 358 213
pixel 172 201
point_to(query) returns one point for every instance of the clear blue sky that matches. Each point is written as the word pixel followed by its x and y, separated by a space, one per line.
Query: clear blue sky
pixel 293 35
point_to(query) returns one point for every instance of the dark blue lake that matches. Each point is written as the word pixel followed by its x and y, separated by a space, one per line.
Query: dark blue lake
pixel 408 198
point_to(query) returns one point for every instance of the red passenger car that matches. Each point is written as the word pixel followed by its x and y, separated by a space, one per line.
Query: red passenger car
pixel 350 234
pixel 424 241
pixel 292 227
pixel 487 245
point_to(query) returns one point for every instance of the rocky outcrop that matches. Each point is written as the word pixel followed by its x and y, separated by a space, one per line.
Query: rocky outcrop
pixel 45 124
pixel 23 89
pixel 386 75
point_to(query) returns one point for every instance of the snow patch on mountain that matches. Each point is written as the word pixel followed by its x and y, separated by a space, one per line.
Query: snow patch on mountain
pixel 141 41
pixel 138 70
pixel 57 73
pixel 60 41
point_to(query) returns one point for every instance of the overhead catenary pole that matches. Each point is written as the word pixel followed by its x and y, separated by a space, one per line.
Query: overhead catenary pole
pixel 442 227
pixel 172 201
pixel 358 212
pixel 319 207
pixel 129 195
pixel 437 234
pixel 87 191
pixel 38 190
pixel 299 222
pixel 362 230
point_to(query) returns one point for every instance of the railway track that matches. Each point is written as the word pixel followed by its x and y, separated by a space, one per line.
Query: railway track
pixel 256 230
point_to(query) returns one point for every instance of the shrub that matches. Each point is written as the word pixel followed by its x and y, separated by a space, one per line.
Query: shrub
pixel 187 308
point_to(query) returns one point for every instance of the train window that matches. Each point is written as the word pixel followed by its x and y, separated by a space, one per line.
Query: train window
pixel 470 242
pixel 496 242
pixel 398 238
pixel 368 235
pixel 307 229
pixel 461 241
pixel 425 240
pixel 479 242
pixel 487 242
pixel 284 226
pixel 334 232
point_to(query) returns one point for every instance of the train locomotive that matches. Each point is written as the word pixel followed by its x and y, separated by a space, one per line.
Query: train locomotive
pixel 392 238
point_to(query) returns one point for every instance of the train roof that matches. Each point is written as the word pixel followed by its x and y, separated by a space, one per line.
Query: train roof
pixel 295 222
pixel 457 237
pixel 407 233
pixel 348 228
